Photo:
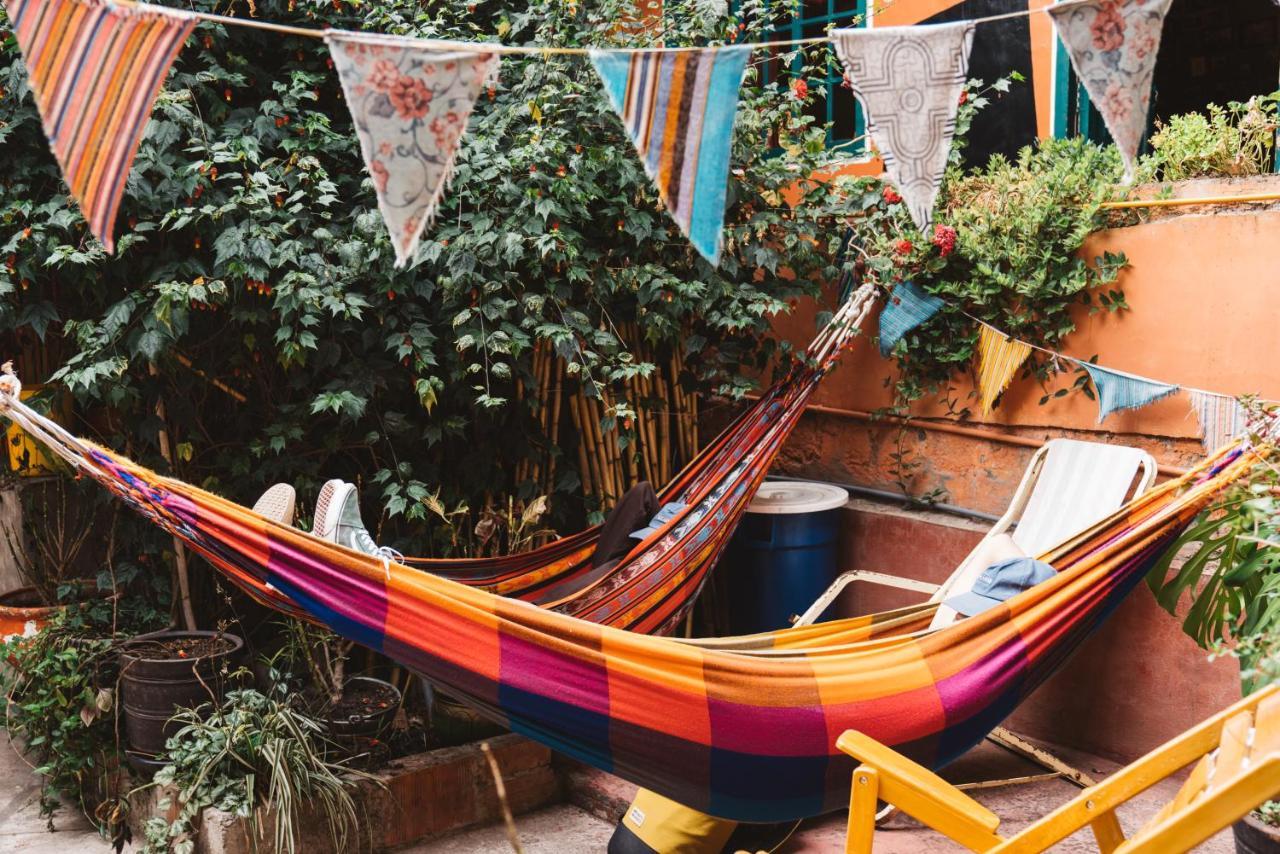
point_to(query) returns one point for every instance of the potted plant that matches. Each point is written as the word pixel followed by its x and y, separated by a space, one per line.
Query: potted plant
pixel 1231 575
pixel 352 707
pixel 50 553
pixel 162 672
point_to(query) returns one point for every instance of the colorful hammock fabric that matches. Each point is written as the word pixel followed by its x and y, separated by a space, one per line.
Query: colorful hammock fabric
pixel 741 728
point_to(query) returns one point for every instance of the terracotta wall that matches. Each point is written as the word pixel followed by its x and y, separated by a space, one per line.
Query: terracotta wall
pixel 1203 291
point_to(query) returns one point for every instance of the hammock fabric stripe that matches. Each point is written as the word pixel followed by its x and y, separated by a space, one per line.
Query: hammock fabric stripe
pixel 96 69
pixel 741 729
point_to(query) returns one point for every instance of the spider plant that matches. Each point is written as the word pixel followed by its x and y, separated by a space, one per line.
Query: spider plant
pixel 251 756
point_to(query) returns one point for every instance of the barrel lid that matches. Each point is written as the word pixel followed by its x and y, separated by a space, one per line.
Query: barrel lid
pixel 797 496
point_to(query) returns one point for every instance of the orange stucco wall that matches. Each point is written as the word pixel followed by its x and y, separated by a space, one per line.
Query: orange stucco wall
pixel 1203 293
pixel 1203 289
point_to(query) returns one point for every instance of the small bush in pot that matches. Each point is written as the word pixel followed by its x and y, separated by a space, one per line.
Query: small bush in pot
pixel 254 753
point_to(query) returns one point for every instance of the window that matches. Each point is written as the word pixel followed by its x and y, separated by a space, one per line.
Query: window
pixel 833 103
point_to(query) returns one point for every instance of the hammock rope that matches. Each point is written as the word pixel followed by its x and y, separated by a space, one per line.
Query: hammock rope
pixel 738 728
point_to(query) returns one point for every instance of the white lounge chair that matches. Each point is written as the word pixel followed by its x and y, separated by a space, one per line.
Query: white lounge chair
pixel 1068 486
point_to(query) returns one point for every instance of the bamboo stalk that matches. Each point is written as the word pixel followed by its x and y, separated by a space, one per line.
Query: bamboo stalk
pixel 584 470
pixel 557 373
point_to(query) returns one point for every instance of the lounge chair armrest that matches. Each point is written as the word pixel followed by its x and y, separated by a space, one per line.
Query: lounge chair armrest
pixel 919 792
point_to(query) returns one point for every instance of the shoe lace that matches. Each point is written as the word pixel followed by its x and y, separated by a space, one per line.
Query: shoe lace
pixel 388 555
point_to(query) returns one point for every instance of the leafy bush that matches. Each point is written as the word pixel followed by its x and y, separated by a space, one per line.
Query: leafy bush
pixel 1005 250
pixel 1230 141
pixel 60 689
pixel 253 290
pixel 251 754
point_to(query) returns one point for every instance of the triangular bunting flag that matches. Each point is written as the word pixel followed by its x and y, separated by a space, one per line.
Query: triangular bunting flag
pixel 1222 419
pixel 999 358
pixel 1118 390
pixel 906 308
pixel 679 109
pixel 1113 46
pixel 410 103
pixel 96 68
pixel 909 81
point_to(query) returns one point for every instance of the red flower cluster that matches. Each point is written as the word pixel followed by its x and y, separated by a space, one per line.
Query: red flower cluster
pixel 944 237
pixel 904 247
pixel 800 88
pixel 964 96
pixel 891 196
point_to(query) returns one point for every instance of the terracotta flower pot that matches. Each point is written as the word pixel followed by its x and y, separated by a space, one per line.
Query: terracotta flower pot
pixel 1256 837
pixel 22 614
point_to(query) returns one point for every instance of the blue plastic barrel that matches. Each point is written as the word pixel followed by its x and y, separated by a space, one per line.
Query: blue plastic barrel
pixel 783 555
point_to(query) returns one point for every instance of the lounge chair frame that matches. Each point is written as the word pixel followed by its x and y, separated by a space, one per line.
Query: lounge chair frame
pixel 1240 745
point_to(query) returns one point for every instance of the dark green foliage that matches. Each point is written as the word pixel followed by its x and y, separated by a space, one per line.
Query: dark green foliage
pixel 251 254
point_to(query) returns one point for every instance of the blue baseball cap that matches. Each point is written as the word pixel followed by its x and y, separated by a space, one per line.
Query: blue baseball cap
pixel 1000 581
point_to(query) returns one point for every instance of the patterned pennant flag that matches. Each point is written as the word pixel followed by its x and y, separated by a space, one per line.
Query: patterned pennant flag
pixel 907 307
pixel 909 81
pixel 410 103
pixel 999 358
pixel 679 109
pixel 95 69
pixel 1222 418
pixel 1118 390
pixel 1113 46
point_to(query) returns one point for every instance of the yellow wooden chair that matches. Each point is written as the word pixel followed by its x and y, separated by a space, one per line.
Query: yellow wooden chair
pixel 1237 756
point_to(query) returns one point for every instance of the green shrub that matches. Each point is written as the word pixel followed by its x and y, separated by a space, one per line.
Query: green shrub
pixel 1230 141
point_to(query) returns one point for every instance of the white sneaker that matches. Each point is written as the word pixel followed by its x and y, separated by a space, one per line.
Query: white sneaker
pixel 338 518
pixel 277 504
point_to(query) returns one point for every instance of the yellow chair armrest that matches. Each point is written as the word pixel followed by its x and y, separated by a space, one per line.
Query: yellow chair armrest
pixel 921 793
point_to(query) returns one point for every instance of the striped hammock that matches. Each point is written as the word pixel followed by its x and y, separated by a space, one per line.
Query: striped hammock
pixel 740 728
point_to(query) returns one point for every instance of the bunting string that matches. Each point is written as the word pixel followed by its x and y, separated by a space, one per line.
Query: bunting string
pixel 999 356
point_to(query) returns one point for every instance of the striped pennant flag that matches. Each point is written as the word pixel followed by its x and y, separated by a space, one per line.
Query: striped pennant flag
pixel 410 103
pixel 96 69
pixel 907 307
pixel 1222 418
pixel 999 358
pixel 909 81
pixel 1118 390
pixel 679 109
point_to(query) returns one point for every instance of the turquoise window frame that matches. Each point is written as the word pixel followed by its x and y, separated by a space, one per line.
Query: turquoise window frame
pixel 795 29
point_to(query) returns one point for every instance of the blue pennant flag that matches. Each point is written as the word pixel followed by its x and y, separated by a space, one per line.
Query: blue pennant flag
pixel 1118 390
pixel 906 308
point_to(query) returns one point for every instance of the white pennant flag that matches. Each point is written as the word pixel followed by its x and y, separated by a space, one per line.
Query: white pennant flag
pixel 1222 419
pixel 1113 46
pixel 410 104
pixel 909 80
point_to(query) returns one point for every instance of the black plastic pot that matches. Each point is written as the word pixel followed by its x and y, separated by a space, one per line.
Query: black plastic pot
pixel 152 690
pixel 365 725
pixel 1255 837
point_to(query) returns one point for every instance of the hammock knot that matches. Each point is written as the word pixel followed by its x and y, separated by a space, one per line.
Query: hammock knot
pixel 10 385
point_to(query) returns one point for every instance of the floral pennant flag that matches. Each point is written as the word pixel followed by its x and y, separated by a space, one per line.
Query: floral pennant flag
pixel 907 307
pixel 679 108
pixel 1113 46
pixel 1118 390
pixel 1222 418
pixel 410 103
pixel 95 69
pixel 909 80
pixel 999 358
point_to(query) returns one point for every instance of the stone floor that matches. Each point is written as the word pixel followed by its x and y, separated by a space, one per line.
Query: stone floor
pixel 568 828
